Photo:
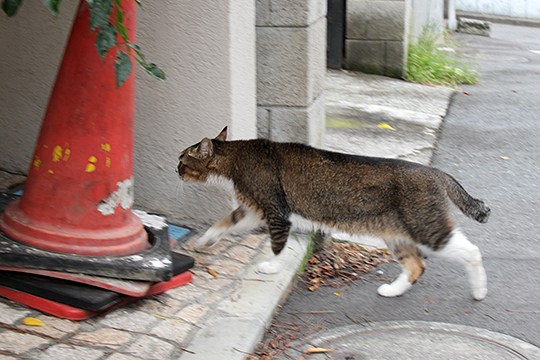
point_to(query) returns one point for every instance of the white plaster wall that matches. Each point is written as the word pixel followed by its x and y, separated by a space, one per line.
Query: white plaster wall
pixel 31 47
pixel 426 13
pixel 515 8
pixel 207 49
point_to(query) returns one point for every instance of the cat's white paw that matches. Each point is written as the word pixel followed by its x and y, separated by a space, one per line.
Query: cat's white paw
pixel 210 237
pixel 479 293
pixel 269 267
pixel 387 290
pixel 393 290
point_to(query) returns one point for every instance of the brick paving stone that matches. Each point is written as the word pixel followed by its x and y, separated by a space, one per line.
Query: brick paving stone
pixel 5 357
pixel 192 313
pixel 226 267
pixel 200 276
pixel 104 337
pixel 10 314
pixel 219 248
pixel 241 253
pixel 173 329
pixel 149 348
pixel 18 343
pixel 218 284
pixel 161 305
pixel 254 241
pixel 118 356
pixel 213 297
pixel 128 319
pixel 187 292
pixel 54 327
pixel 70 352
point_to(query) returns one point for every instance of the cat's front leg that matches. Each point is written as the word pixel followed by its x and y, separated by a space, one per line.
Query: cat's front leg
pixel 279 233
pixel 240 220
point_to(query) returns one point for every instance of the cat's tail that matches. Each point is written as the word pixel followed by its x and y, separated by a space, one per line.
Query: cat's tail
pixel 470 206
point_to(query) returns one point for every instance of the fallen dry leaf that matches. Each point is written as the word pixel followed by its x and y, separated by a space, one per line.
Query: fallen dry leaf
pixel 385 126
pixel 318 350
pixel 30 321
pixel 212 272
pixel 340 262
pixel 505 158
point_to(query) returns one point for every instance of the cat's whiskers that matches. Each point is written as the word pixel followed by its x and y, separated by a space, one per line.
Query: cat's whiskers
pixel 179 188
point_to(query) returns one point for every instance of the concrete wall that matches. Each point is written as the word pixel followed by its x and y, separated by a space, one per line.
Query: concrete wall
pixel 377 36
pixel 378 32
pixel 426 13
pixel 208 52
pixel 291 66
pixel 514 8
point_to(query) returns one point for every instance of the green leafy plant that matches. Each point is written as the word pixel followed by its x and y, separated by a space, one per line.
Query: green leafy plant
pixel 107 19
pixel 309 251
pixel 431 61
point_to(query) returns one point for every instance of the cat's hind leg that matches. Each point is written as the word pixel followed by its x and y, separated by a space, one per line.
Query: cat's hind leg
pixel 240 220
pixel 279 233
pixel 459 248
pixel 412 267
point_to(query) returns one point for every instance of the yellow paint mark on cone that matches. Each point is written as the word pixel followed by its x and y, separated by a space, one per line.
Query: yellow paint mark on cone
pixel 50 171
pixel 108 162
pixel 57 153
pixel 67 153
pixel 37 162
pixel 91 167
pixel 106 147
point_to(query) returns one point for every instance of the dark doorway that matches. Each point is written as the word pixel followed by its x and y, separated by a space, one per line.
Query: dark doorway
pixel 335 34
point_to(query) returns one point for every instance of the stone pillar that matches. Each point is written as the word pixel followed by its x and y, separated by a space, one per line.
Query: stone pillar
pixel 291 66
pixel 450 14
pixel 377 36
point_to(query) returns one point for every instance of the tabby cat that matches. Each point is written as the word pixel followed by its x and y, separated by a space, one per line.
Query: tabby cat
pixel 286 185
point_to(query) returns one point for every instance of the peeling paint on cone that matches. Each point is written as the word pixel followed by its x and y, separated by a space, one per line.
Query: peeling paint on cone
pixel 122 197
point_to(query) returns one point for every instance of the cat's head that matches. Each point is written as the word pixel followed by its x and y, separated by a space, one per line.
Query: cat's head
pixel 198 161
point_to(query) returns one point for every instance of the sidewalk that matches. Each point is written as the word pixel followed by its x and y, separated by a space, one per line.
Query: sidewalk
pixel 224 316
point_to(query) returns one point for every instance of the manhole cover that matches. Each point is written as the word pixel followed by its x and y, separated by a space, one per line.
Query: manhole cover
pixel 413 340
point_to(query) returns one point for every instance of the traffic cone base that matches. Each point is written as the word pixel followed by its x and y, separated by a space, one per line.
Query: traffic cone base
pixel 127 239
pixel 154 264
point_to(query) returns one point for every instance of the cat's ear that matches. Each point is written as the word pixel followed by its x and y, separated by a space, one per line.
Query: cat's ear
pixel 205 149
pixel 222 135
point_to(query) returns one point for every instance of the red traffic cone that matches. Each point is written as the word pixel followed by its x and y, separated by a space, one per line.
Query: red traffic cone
pixel 79 192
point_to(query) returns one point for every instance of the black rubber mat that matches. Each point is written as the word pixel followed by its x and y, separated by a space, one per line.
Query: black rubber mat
pixel 75 294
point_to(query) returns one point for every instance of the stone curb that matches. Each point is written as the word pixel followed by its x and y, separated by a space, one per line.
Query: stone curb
pixel 242 317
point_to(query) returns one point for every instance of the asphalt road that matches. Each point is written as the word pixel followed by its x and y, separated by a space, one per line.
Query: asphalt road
pixel 490 141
